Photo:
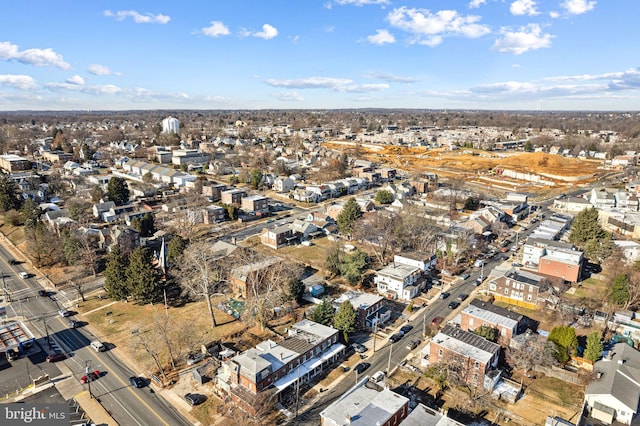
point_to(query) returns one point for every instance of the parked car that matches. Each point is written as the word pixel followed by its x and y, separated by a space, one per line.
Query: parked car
pixel 73 323
pixel 55 357
pixel 136 382
pixel 43 293
pixel 454 304
pixel 516 265
pixel 462 297
pixel 98 346
pixel 436 321
pixel 194 358
pixel 413 344
pixel 64 313
pixel 465 276
pixel 479 280
pixel 195 398
pixel 12 354
pixel 377 377
pixel 406 328
pixel 444 295
pixel 359 348
pixel 395 337
pixel 13 262
pixel 361 367
pixel 94 375
pixel 23 275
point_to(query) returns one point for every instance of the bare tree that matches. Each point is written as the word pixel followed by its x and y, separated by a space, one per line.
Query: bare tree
pixel 165 328
pixel 381 231
pixel 149 341
pixel 202 272
pixel 79 286
pixel 535 351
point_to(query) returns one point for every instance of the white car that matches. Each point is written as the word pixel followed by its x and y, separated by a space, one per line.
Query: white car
pixel 23 275
pixel 64 313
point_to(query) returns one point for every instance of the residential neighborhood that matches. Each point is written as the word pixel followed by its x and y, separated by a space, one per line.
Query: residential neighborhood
pixel 271 274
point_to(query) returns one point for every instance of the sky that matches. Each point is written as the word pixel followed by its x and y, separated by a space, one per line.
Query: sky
pixel 328 54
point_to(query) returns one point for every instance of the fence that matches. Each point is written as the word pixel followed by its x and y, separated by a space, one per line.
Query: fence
pixel 561 374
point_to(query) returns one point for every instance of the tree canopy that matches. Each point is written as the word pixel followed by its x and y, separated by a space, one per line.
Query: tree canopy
pixel 487 332
pixel 8 194
pixel 384 197
pixel 115 280
pixel 142 278
pixel 118 191
pixel 345 319
pixel 594 348
pixel 587 234
pixel 566 341
pixel 323 313
pixel 353 266
pixel 350 213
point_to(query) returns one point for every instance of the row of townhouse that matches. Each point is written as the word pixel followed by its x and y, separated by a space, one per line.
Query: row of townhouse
pixel 159 173
pixel 271 369
pixel 553 258
pixel 607 198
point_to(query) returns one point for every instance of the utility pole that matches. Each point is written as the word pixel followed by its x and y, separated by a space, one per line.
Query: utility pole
pixel 87 372
pixel 389 363
pixel 424 326
pixel 166 308
pixel 46 330
pixel 6 290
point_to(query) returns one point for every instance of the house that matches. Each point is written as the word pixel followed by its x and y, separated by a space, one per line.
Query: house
pixel 553 258
pixel 630 250
pixel 213 214
pixel 100 208
pixel 257 204
pixel 398 281
pixel 370 308
pixel 571 204
pixel 305 230
pixel 478 313
pixel 213 190
pixel 474 356
pixel 274 368
pixel 366 404
pixel 425 416
pixel 602 198
pixel 11 163
pixel 416 259
pixel 252 276
pixel 232 196
pixel 278 237
pixel 55 156
pixel 614 394
pixel 520 288
pixel 283 184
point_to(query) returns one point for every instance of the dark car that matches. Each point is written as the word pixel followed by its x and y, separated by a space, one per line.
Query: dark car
pixel 43 293
pixel 454 304
pixel 195 398
pixel 13 262
pixel 361 367
pixel 444 295
pixel 406 328
pixel 395 337
pixel 136 382
pixel 413 344
pixel 462 297
pixel 73 323
pixel 194 358
pixel 359 348
pixel 56 356
pixel 12 354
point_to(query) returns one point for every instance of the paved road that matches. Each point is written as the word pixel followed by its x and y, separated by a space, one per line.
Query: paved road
pixel 129 406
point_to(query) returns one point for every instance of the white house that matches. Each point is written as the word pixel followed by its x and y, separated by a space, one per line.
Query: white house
pixel 283 184
pixel 398 281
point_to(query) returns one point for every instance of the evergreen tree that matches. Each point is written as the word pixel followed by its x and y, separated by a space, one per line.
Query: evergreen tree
pixel 487 332
pixel 528 146
pixel 30 213
pixel 566 341
pixel 353 266
pixel 471 203
pixel 594 348
pixel 115 279
pixel 350 213
pixel 384 197
pixel 620 290
pixel 118 191
pixel 345 319
pixel 296 290
pixel 587 234
pixel 332 263
pixel 175 248
pixel 256 178
pixel 8 194
pixel 323 313
pixel 142 278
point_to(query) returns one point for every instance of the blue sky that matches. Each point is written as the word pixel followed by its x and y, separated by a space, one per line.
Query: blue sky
pixel 257 54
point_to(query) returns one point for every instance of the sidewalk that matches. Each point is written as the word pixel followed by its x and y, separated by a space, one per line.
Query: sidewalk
pixel 94 410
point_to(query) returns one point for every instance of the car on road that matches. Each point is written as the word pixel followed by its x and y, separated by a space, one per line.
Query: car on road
pixel 92 376
pixel 479 280
pixel 73 323
pixel 516 265
pixel 462 297
pixel 444 295
pixel 12 354
pixel 64 313
pixel 377 377
pixel 454 304
pixel 361 367
pixel 136 382
pixel 43 293
pixel 436 321
pixel 406 328
pixel 23 275
pixel 465 276
pixel 55 357
pixel 13 262
pixel 194 398
pixel 359 348
pixel 413 344
pixel 395 337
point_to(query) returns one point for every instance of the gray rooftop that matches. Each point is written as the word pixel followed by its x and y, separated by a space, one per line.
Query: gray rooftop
pixel 425 416
pixel 466 343
pixel 397 271
pixel 620 376
pixel 524 277
pixel 493 314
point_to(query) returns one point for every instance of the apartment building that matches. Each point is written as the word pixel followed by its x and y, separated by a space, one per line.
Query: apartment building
pixel 479 313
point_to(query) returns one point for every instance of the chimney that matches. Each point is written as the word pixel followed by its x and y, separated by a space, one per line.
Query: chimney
pixel 599 374
pixel 348 419
pixel 281 355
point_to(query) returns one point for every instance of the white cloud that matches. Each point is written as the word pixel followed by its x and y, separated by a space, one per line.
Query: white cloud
pixel 390 77
pixel 362 88
pixel 288 96
pixel 523 7
pixel 97 69
pixel 76 79
pixel 268 32
pixel 216 29
pixel 381 37
pixel 578 7
pixel 37 57
pixel 526 38
pixel 361 2
pixel 474 4
pixel 341 85
pixel 431 28
pixel 138 17
pixel 23 82
pixel 554 15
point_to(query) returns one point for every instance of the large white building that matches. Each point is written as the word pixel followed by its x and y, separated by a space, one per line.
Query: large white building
pixel 170 125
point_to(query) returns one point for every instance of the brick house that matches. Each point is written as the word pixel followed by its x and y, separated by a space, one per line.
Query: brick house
pixel 273 368
pixel 255 204
pixel 474 356
pixel 279 237
pixel 232 196
pixel 479 313
pixel 245 277
pixel 553 258
pixel 520 288
pixel 370 308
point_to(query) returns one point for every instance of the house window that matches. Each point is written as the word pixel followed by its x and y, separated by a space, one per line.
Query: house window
pixel 506 291
pixel 529 297
pixel 476 365
pixel 440 353
pixel 470 321
pixel 492 287
pixel 503 331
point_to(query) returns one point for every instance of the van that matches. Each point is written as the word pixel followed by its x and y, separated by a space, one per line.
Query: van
pixel 377 377
pixel 97 346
